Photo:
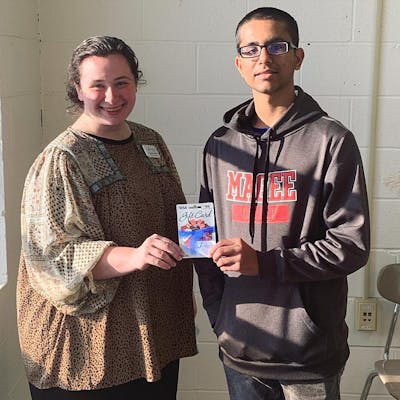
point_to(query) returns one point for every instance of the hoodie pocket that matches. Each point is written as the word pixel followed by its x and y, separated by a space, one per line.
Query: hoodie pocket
pixel 267 322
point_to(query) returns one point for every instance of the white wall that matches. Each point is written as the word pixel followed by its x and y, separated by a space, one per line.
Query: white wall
pixel 21 139
pixel 186 51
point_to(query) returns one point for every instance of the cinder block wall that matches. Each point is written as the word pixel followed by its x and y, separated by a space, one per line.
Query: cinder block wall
pixel 186 51
pixel 21 139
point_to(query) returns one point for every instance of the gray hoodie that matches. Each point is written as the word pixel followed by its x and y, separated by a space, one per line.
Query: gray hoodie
pixel 310 227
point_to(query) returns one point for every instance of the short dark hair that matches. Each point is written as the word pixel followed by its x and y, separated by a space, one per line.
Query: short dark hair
pixel 271 13
pixel 101 46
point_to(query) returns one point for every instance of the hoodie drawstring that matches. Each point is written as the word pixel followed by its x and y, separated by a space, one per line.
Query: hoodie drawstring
pixel 253 202
pixel 264 219
pixel 254 195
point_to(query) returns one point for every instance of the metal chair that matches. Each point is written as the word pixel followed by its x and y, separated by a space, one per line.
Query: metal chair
pixel 387 369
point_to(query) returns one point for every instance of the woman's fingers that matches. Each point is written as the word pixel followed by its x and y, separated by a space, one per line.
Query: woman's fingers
pixel 161 252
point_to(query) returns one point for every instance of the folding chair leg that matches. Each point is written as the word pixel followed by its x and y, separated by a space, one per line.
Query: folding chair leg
pixel 367 385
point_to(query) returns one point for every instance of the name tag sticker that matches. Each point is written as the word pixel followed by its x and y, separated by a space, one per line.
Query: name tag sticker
pixel 151 151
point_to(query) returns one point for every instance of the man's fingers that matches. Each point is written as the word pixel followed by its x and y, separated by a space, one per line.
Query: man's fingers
pixel 225 252
pixel 225 261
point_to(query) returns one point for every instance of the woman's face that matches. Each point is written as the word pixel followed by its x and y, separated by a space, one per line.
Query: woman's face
pixel 107 89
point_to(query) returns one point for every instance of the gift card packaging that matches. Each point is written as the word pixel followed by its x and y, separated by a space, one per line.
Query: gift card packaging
pixel 196 229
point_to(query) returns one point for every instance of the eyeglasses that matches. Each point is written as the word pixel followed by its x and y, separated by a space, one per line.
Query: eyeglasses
pixel 273 49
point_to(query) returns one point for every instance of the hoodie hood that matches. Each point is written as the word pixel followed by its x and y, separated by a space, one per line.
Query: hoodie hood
pixel 303 110
pixel 240 117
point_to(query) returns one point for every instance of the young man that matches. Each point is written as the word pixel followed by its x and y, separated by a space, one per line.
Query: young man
pixel 292 217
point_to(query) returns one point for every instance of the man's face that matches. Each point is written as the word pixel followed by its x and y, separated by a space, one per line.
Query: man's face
pixel 272 75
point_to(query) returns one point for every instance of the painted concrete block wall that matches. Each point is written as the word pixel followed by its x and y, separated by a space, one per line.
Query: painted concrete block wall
pixel 21 139
pixel 186 52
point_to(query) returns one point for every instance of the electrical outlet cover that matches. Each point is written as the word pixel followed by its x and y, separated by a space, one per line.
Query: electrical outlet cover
pixel 366 314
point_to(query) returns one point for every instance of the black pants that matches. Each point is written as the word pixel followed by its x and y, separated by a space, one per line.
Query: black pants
pixel 139 389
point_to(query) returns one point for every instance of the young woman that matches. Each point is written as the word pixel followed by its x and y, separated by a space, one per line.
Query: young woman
pixel 104 298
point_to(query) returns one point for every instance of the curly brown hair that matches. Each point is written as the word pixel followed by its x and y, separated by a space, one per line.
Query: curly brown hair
pixel 101 46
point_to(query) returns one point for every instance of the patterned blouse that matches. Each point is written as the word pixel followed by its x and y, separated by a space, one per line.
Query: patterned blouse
pixel 82 195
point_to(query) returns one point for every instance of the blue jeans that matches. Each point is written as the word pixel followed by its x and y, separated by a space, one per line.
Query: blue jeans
pixel 246 387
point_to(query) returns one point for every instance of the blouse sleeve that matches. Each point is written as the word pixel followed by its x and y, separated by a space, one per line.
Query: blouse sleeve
pixel 62 239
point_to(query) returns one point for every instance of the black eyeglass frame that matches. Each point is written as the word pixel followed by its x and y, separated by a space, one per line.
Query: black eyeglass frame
pixel 289 45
